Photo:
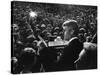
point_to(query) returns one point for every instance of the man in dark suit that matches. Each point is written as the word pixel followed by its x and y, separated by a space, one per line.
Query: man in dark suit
pixel 72 49
pixel 69 53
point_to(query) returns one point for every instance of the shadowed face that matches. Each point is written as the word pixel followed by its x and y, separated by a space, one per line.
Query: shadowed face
pixel 68 31
pixel 15 27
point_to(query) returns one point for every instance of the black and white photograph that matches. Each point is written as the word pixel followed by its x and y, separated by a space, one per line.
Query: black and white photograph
pixel 53 37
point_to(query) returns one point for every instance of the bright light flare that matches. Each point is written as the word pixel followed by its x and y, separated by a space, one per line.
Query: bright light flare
pixel 33 14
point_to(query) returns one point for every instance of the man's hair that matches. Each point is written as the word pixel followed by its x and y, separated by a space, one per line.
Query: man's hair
pixel 73 24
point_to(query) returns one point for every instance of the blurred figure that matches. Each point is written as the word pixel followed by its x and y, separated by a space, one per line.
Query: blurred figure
pixel 81 37
pixel 87 57
pixel 14 63
pixel 85 35
pixel 82 34
pixel 88 39
pixel 16 34
pixel 48 56
pixel 72 49
pixel 82 30
pixel 94 39
pixel 27 62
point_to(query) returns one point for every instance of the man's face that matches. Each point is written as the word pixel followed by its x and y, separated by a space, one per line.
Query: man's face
pixel 15 27
pixel 67 33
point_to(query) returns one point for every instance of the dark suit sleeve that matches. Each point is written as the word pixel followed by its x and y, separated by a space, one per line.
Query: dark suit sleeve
pixel 70 54
pixel 76 45
pixel 73 49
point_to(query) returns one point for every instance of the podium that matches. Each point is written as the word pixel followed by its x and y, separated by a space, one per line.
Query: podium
pixel 57 44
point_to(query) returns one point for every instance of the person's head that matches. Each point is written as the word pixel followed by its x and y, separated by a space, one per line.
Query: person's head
pixel 82 30
pixel 27 56
pixel 15 27
pixel 70 29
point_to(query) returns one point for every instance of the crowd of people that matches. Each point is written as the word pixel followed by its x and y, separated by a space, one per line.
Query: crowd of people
pixel 35 22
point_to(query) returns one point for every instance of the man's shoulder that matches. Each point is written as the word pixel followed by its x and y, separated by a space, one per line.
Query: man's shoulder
pixel 74 40
pixel 75 43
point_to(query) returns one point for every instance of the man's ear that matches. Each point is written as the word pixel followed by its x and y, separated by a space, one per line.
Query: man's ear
pixel 64 27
